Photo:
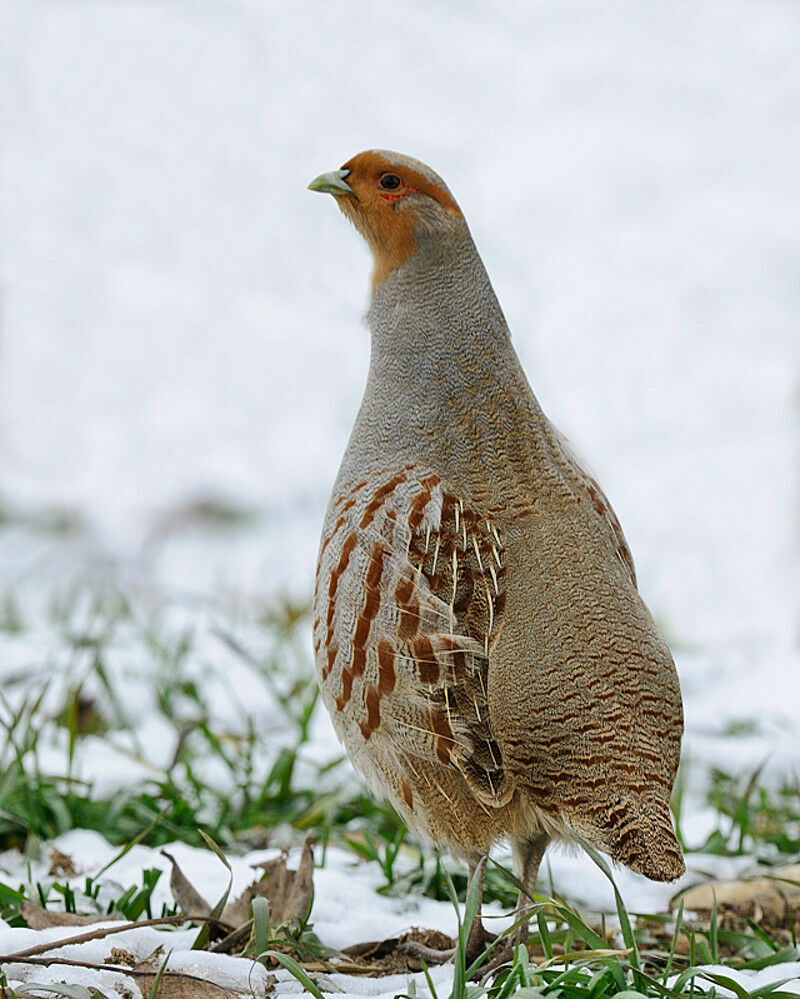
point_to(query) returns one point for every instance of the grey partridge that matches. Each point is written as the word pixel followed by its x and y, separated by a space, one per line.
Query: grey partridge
pixel 480 641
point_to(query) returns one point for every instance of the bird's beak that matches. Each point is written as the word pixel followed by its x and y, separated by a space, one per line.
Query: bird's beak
pixel 332 183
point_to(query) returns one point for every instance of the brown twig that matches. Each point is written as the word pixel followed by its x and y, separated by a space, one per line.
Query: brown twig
pixel 345 968
pixel 224 945
pixel 99 934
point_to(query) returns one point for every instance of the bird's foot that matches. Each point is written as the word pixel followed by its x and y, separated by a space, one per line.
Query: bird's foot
pixel 427 954
pixel 477 942
pixel 502 953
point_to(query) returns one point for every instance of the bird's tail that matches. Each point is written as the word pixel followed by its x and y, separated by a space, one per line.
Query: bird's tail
pixel 636 832
pixel 643 839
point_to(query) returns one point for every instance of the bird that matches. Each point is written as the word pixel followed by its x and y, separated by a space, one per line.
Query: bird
pixel 480 641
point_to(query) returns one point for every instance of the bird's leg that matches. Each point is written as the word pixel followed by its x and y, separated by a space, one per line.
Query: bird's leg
pixel 528 855
pixel 478 938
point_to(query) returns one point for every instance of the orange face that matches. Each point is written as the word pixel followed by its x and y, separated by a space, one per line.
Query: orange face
pixel 379 181
pixel 389 199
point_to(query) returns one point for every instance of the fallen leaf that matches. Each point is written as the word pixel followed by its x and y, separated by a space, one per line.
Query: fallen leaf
pixel 288 892
pixel 120 956
pixel 38 918
pixel 237 913
pixel 187 898
pixel 61 865
pixel 176 986
pixel 770 901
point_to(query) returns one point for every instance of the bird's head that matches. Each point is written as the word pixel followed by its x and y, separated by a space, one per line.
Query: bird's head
pixel 395 202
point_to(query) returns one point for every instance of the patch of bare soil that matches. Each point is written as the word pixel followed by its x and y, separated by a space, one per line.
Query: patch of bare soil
pixel 388 957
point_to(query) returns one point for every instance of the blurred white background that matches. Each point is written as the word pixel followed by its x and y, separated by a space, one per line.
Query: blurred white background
pixel 181 318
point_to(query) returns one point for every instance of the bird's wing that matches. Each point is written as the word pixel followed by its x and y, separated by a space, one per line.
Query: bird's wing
pixel 598 500
pixel 409 595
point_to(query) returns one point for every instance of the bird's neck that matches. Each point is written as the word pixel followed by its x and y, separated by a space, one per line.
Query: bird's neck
pixel 438 307
pixel 443 374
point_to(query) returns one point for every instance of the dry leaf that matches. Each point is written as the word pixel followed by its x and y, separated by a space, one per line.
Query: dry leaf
pixel 177 986
pixel 237 913
pixel 61 865
pixel 188 900
pixel 288 892
pixel 772 900
pixel 38 918
pixel 121 956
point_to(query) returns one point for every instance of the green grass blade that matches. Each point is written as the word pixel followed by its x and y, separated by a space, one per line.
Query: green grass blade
pixel 778 957
pixel 762 935
pixel 260 908
pixel 673 946
pixel 295 971
pixel 544 935
pixel 471 906
pixel 205 930
pixel 624 919
pixel 159 976
pixel 772 988
pixel 726 982
pixel 429 980
pixel 134 842
pixel 713 930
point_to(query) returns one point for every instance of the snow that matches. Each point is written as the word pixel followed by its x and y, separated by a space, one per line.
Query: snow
pixel 175 302
pixel 250 979
pixel 788 973
pixel 112 984
pixel 181 321
pixel 346 908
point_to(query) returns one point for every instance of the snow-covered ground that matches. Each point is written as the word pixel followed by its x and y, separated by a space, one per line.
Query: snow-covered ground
pixel 346 909
pixel 180 318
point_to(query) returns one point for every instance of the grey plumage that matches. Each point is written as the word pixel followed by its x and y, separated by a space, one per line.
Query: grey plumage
pixel 482 646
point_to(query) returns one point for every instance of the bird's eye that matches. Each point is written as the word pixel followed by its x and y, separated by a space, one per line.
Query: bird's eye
pixel 390 182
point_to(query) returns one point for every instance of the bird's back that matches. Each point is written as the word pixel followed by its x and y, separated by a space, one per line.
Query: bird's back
pixel 583 687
